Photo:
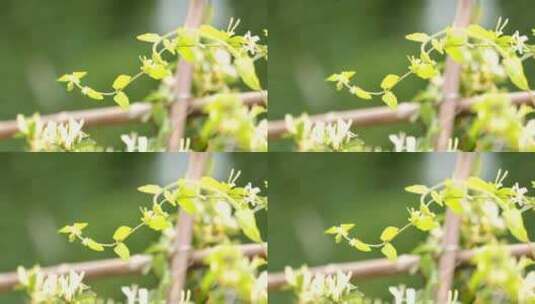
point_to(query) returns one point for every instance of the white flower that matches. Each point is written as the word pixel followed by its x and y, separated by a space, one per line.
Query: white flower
pixel 250 43
pixel 519 192
pixel 135 295
pixel 259 291
pixel 403 143
pixel 259 141
pixel 519 42
pixel 251 194
pixel 135 143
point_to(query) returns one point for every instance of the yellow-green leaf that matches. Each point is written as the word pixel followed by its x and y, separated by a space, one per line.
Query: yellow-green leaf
pixel 389 233
pixel 122 233
pixel 389 81
pixel 122 100
pixel 418 37
pixel 150 189
pixel 418 189
pixel 246 70
pixel 91 244
pixel 515 224
pixel 390 100
pixel 122 251
pixel 121 82
pixel 390 252
pixel 149 37
pixel 515 71
pixel 359 245
pixel 361 93
pixel 92 93
pixel 158 223
pixel 247 221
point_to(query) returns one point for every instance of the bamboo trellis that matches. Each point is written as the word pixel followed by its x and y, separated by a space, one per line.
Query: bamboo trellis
pixel 451 106
pixel 183 257
pixel 184 105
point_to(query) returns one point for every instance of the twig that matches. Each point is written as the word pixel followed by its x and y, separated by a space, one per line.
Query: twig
pixel 384 115
pixel 183 81
pixel 115 115
pixel 450 239
pixel 184 232
pixel 383 267
pixel 117 267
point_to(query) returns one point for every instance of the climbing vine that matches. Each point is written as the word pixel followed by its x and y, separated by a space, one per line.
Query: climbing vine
pixel 223 213
pixel 223 63
pixel 490 61
pixel 489 211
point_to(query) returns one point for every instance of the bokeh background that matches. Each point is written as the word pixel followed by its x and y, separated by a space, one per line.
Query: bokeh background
pixel 309 194
pixel 40 193
pixel 44 40
pixel 311 39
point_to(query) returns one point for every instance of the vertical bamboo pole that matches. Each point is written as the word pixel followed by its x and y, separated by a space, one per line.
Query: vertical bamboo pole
pixel 183 81
pixel 184 230
pixel 450 90
pixel 450 239
pixel 452 75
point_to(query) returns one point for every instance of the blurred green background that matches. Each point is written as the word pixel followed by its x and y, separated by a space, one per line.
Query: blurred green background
pixel 311 39
pixel 40 193
pixel 42 40
pixel 310 192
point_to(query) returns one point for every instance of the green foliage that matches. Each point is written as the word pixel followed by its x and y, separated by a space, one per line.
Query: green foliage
pixel 223 213
pixel 220 60
pixel 488 58
pixel 489 211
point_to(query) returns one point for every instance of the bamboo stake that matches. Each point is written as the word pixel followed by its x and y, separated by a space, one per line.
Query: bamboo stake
pixel 183 81
pixel 184 233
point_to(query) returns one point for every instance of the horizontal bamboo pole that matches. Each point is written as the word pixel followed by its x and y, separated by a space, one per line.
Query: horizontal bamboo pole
pixel 383 267
pixel 116 267
pixel 116 115
pixel 384 115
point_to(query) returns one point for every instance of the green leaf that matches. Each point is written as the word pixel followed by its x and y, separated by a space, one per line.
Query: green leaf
pixel 418 37
pixel 150 189
pixel 89 92
pixel 515 224
pixel 361 93
pixel 122 251
pixel 246 70
pixel 389 81
pixel 158 223
pixel 121 82
pixel 418 189
pixel 247 221
pixel 186 197
pixel 213 33
pixel 390 100
pixel 359 245
pixel 185 44
pixel 91 244
pixel 122 100
pixel 390 252
pixel 477 183
pixel 389 233
pixel 122 233
pixel 515 71
pixel 149 37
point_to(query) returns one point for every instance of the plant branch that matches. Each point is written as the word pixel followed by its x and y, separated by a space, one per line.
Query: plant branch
pixel 183 81
pixel 383 267
pixel 184 232
pixel 117 267
pixel 115 115
pixel 384 115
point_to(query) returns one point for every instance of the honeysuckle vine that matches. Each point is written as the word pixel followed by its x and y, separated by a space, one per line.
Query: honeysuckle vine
pixel 489 211
pixel 223 63
pixel 490 61
pixel 223 213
